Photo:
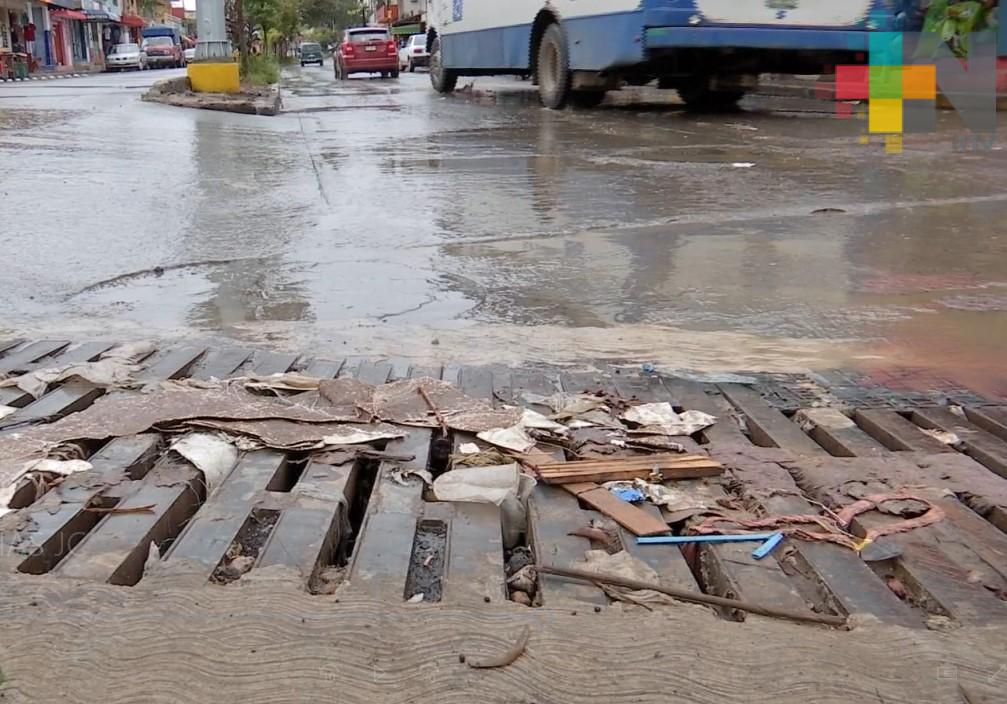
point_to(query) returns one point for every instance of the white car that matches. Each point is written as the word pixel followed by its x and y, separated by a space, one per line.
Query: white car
pixel 190 54
pixel 126 56
pixel 414 53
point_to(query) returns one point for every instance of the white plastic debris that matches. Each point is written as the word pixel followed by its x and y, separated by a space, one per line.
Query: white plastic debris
pixel 468 448
pixel 661 418
pixel 514 438
pixel 742 164
pixel 6 411
pixel 534 419
pixel 415 598
pixel 211 453
pixel 944 436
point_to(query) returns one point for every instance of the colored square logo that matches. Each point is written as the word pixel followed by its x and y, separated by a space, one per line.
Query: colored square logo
pixel 919 82
pixel 885 116
pixel 853 83
pixel 886 48
pixel 885 82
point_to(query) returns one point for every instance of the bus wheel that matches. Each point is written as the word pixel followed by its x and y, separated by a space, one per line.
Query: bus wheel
pixel 442 79
pixel 553 68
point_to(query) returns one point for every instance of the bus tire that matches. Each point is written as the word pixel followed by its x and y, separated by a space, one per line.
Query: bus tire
pixel 444 80
pixel 553 68
pixel 587 98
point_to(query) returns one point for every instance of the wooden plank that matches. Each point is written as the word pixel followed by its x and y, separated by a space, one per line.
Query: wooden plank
pixel 308 534
pixel 324 369
pixel 6 345
pixel 220 363
pixel 266 363
pixel 84 352
pixel 690 395
pixel 991 419
pixel 672 467
pixel 49 535
pixel 552 515
pixel 767 426
pixel 388 495
pixel 428 371
pixel 475 564
pixel 633 519
pixel 117 549
pixel 896 433
pixel 989 450
pixel 21 358
pixel 374 372
pixel 399 368
pixel 476 382
pixel 205 540
pixel 839 435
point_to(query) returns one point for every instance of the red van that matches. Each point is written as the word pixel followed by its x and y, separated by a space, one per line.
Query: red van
pixel 367 50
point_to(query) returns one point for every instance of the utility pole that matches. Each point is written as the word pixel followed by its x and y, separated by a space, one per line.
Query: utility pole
pixel 212 43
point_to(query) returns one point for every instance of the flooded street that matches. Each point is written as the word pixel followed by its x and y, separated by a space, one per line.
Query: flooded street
pixel 376 217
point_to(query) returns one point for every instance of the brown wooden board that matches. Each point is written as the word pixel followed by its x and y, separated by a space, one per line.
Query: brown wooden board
pixel 309 532
pixel 200 548
pixel 73 395
pixel 671 467
pixel 987 449
pixel 117 549
pixel 630 517
pixel 669 564
pixel 896 433
pixel 767 426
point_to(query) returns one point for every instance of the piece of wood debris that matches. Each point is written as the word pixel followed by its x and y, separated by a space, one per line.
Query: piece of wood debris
pixel 508 657
pixel 630 517
pixel 671 467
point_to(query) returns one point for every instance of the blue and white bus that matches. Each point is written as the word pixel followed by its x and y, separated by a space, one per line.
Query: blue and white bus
pixel 711 51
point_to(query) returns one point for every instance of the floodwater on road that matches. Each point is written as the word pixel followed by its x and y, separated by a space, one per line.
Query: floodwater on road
pixel 376 217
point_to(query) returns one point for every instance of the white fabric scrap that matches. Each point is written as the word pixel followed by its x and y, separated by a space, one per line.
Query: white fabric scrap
pixel 6 411
pixel 286 381
pixel 468 448
pixel 484 485
pixel 660 418
pixel 211 453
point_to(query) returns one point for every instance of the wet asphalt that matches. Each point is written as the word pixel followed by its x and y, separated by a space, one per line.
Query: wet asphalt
pixel 375 217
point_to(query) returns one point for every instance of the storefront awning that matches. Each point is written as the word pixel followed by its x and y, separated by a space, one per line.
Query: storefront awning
pixel 133 21
pixel 407 29
pixel 99 16
pixel 62 14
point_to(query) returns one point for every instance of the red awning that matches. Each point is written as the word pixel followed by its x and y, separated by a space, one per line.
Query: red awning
pixel 133 21
pixel 61 14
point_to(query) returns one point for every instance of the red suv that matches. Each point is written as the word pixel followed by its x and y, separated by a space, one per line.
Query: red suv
pixel 367 50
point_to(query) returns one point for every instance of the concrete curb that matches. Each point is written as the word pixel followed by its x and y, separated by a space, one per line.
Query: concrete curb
pixel 175 91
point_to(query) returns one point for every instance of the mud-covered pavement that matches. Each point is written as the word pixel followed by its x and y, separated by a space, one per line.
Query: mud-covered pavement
pixel 378 218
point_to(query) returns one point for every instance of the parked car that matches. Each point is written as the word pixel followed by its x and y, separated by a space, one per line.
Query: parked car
pixel 311 53
pixel 163 51
pixel 414 53
pixel 189 54
pixel 366 50
pixel 126 56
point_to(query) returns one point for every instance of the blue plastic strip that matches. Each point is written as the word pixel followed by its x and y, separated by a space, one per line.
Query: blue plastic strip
pixel 767 547
pixel 681 539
